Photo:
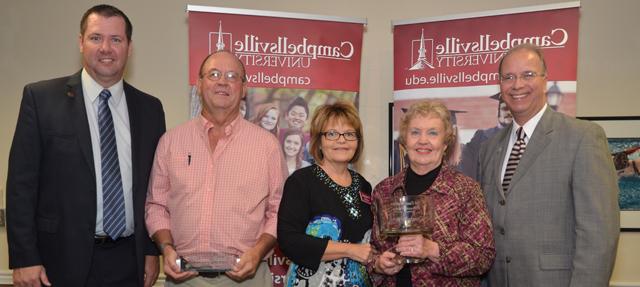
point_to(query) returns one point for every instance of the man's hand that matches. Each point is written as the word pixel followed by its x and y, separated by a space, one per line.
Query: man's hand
pixel 32 276
pixel 246 266
pixel 171 269
pixel 151 270
pixel 250 260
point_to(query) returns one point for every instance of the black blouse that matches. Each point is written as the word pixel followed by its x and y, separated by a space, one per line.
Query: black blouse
pixel 414 185
pixel 305 196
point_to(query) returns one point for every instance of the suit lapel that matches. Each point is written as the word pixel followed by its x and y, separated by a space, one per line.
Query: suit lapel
pixel 78 113
pixel 538 142
pixel 134 113
pixel 499 154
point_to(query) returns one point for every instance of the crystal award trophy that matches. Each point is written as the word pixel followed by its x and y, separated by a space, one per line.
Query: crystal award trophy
pixel 219 262
pixel 404 215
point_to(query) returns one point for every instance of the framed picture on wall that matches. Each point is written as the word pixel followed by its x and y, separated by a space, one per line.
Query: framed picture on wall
pixel 391 142
pixel 623 134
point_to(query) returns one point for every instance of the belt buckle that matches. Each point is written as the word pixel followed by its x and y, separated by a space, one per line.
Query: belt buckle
pixel 210 274
pixel 102 239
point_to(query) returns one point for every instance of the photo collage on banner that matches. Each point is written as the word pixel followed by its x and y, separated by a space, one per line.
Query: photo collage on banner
pixel 293 66
pixel 455 60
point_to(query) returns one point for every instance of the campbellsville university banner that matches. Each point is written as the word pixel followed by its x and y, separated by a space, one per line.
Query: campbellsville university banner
pixel 294 64
pixel 455 59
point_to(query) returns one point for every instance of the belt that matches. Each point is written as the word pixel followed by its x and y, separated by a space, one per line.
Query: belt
pixel 101 239
pixel 210 274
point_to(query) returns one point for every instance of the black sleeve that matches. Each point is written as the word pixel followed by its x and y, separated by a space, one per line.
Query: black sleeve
pixel 293 218
pixel 366 188
pixel 22 186
pixel 470 156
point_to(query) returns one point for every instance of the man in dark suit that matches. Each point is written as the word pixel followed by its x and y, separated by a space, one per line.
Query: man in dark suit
pixel 79 167
pixel 550 187
pixel 471 150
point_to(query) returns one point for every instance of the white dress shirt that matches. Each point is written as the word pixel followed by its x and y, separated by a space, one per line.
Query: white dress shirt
pixel 120 113
pixel 528 128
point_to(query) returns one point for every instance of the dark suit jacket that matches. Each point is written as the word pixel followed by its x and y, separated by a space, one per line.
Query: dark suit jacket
pixel 558 224
pixel 51 184
pixel 471 151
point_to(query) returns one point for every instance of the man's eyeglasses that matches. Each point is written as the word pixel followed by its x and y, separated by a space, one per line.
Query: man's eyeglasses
pixel 230 76
pixel 334 135
pixel 527 76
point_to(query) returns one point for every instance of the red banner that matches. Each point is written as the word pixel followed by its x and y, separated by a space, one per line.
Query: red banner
pixel 294 64
pixel 455 59
pixel 281 52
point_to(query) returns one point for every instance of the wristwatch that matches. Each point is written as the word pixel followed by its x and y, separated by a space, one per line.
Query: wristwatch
pixel 162 245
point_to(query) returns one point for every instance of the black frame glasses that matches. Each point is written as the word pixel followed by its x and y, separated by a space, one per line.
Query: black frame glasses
pixel 334 135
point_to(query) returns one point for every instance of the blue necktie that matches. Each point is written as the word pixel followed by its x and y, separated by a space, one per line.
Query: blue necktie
pixel 113 218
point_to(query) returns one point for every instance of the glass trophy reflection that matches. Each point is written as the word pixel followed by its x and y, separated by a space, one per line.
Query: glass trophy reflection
pixel 219 262
pixel 401 214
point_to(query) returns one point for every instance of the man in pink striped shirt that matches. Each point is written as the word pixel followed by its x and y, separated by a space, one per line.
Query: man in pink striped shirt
pixel 216 185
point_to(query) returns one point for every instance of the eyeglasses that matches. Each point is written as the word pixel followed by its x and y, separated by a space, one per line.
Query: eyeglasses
pixel 527 76
pixel 334 135
pixel 230 76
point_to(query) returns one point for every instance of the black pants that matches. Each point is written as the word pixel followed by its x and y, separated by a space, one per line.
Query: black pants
pixel 114 264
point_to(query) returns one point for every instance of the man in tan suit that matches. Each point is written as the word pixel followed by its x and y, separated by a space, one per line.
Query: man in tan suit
pixel 554 199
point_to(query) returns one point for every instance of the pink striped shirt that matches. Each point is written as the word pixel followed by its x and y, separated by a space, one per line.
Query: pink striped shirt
pixel 215 201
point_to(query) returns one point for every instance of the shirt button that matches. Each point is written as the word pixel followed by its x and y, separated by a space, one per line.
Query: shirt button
pixel 508 259
pixel 502 230
pixel 502 201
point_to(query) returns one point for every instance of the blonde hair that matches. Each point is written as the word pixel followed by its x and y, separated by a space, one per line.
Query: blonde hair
pixel 431 108
pixel 263 111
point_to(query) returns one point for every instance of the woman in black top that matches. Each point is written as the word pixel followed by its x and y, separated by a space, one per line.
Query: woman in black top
pixel 324 219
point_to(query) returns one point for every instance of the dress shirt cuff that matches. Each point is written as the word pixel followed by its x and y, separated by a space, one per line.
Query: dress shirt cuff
pixel 156 221
pixel 270 227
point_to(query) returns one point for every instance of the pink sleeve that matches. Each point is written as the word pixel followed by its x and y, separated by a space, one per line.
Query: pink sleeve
pixel 157 215
pixel 277 175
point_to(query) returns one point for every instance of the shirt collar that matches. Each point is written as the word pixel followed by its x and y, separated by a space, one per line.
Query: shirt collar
pixel 206 125
pixel 93 89
pixel 442 183
pixel 530 125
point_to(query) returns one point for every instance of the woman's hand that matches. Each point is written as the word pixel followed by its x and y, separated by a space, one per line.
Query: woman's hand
pixel 389 263
pixel 418 246
pixel 362 253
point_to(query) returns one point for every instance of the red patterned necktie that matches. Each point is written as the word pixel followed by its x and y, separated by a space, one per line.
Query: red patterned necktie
pixel 514 158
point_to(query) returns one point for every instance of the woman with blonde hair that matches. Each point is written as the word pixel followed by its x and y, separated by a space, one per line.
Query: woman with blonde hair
pixel 460 248
pixel 268 118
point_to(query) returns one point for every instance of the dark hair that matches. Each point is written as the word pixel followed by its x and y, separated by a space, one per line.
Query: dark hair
pixel 527 47
pixel 298 101
pixel 340 111
pixel 294 132
pixel 106 11
pixel 244 72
